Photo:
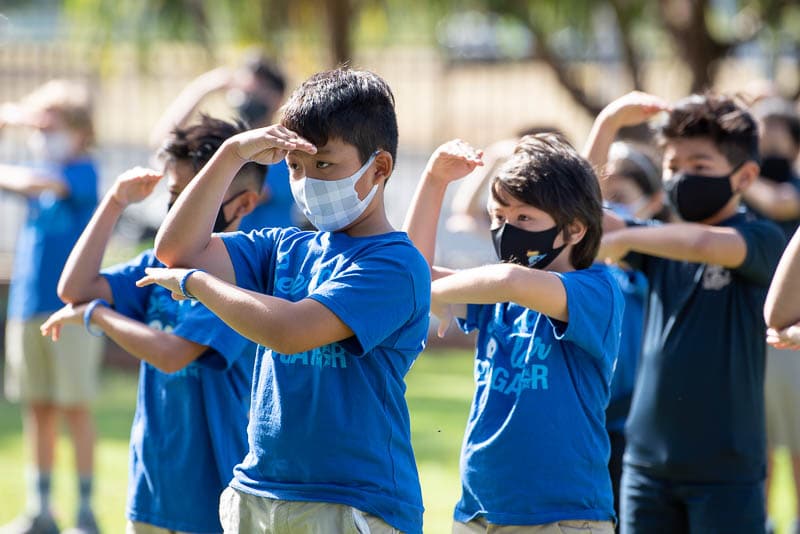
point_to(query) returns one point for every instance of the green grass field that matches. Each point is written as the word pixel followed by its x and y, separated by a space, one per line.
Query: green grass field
pixel 439 391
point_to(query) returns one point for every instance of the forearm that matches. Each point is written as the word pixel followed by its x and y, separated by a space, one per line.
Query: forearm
pixel 186 232
pixel 26 182
pixel 167 352
pixel 602 135
pixel 81 280
pixel 422 219
pixel 535 289
pixel 694 243
pixel 782 307
pixel 777 201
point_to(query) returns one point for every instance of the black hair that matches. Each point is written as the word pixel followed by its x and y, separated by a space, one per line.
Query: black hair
pixel 195 144
pixel 266 71
pixel 354 106
pixel 716 117
pixel 547 173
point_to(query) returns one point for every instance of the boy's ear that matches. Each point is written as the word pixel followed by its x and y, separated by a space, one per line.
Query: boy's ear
pixel 384 165
pixel 247 203
pixel 575 232
pixel 745 176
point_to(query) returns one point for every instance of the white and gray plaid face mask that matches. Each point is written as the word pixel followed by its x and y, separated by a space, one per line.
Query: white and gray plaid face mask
pixel 331 205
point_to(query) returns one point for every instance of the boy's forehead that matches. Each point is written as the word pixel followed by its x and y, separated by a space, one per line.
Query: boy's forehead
pixel 692 148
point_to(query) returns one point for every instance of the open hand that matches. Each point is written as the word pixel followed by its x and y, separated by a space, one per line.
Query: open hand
pixel 453 160
pixel 166 278
pixel 269 145
pixel 134 185
pixel 69 314
pixel 634 108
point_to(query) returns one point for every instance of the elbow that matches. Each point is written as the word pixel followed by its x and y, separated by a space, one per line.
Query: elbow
pixel 68 293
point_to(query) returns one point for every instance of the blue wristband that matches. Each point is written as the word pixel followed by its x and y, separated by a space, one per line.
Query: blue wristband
pixel 184 279
pixel 87 316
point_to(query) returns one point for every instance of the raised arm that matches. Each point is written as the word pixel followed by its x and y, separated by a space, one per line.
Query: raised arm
pixel 782 307
pixel 185 240
pixel 696 243
pixel 81 280
pixel 451 161
pixel 165 351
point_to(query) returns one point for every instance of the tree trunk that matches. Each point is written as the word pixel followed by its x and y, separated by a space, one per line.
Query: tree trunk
pixel 339 14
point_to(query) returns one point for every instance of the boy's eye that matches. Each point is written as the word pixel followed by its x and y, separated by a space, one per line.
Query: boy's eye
pixel 522 217
pixel 323 164
pixel 292 165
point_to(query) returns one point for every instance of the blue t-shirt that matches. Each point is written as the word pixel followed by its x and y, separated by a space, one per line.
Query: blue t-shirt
pixel 698 409
pixel 634 290
pixel 189 430
pixel 51 228
pixel 331 424
pixel 536 449
pixel 277 212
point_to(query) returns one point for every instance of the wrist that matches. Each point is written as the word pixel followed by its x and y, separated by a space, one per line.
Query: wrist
pixel 184 281
pixel 89 311
pixel 115 202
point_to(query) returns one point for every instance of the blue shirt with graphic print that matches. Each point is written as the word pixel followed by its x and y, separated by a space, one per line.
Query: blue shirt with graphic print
pixel 535 449
pixel 331 424
pixel 51 228
pixel 698 409
pixel 190 427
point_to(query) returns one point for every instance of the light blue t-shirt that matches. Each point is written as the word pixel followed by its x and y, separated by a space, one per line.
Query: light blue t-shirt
pixel 279 211
pixel 189 430
pixel 535 449
pixel 331 424
pixel 634 290
pixel 51 228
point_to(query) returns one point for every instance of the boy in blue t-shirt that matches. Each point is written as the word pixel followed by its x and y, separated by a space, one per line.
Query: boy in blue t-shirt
pixel 339 314
pixel 695 457
pixel 535 450
pixel 51 381
pixel 189 429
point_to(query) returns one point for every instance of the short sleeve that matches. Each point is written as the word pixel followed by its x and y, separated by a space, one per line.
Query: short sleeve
pixel 475 319
pixel 375 296
pixel 252 256
pixel 595 306
pixel 130 300
pixel 199 324
pixel 81 179
pixel 765 242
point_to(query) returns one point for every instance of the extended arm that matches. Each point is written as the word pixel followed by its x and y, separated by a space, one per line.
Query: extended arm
pixel 81 280
pixel 780 202
pixel 696 243
pixel 167 352
pixel 782 307
pixel 538 290
pixel 29 182
pixel 284 326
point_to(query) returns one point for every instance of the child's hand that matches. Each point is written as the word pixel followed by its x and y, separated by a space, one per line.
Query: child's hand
pixel 269 145
pixel 612 247
pixel 788 338
pixel 134 185
pixel 69 314
pixel 166 278
pixel 453 160
pixel 633 108
pixel 443 312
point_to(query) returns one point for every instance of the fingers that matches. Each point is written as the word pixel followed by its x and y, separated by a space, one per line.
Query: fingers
pixel 285 139
pixel 145 281
pixel 444 325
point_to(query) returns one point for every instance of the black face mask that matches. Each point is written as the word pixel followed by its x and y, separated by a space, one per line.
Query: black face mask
pixel 695 197
pixel 252 110
pixel 531 249
pixel 220 224
pixel 776 168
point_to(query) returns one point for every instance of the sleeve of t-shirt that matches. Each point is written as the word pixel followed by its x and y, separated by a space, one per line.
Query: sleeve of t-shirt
pixel 475 318
pixel 81 179
pixel 130 300
pixel 595 312
pixel 765 242
pixel 200 325
pixel 251 256
pixel 376 295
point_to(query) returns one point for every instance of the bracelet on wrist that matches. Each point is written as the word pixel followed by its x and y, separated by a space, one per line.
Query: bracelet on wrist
pixel 87 316
pixel 184 280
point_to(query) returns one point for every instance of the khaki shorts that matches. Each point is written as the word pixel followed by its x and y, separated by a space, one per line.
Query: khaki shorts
pixel 782 398
pixel 40 370
pixel 481 526
pixel 137 527
pixel 243 513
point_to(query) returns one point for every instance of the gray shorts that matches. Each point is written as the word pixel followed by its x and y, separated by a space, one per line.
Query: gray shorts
pixel 579 526
pixel 782 398
pixel 243 513
pixel 40 370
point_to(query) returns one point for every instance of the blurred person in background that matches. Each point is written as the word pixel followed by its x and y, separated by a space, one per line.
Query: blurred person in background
pixel 60 188
pixel 253 92
pixel 775 195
